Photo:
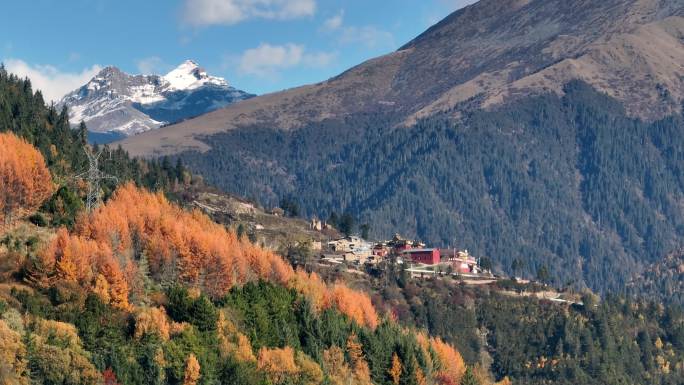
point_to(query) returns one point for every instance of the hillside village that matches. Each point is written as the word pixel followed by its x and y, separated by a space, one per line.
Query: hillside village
pixel 357 251
pixel 318 245
pixel 328 246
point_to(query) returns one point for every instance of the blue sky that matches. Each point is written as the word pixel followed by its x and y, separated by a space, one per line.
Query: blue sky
pixel 257 45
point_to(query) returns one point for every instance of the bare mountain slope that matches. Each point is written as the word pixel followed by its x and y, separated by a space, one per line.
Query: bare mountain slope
pixel 481 56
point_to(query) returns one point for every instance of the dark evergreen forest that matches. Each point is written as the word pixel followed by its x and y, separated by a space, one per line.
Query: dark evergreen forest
pixel 568 182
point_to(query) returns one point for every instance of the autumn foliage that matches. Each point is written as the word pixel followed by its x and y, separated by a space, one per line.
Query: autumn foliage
pixel 285 366
pixel 360 369
pixel 335 366
pixel 192 371
pixel 105 249
pixel 231 342
pixel 12 356
pixel 395 369
pixel 152 321
pixel 279 364
pixel 25 181
pixel 109 377
pixel 451 366
pixel 138 236
pixel 440 358
pixel 354 304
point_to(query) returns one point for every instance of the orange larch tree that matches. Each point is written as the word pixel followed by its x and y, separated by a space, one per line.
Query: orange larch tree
pixel 25 181
pixel 451 364
pixel 278 364
pixel 178 245
pixel 192 370
pixel 395 369
pixel 361 371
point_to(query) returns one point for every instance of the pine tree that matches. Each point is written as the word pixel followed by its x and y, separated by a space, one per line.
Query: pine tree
pixel 469 378
pixel 83 133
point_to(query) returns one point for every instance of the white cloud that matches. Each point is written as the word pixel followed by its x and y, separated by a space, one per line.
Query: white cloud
pixel 318 59
pixel 369 36
pixel 211 12
pixel 52 82
pixel 334 22
pixel 151 65
pixel 266 59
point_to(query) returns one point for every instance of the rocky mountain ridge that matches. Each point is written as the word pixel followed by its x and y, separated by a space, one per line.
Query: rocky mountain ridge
pixel 119 103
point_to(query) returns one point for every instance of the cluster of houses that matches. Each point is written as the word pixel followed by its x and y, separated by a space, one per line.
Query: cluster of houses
pixel 355 250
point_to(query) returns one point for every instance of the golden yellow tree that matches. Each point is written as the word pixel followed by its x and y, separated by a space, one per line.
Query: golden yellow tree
pixel 335 367
pixel 25 181
pixel 101 288
pixel 310 372
pixel 420 376
pixel 151 321
pixel 232 342
pixel 360 366
pixel 278 364
pixel 13 362
pixel 192 370
pixel 451 364
pixel 59 356
pixel 395 369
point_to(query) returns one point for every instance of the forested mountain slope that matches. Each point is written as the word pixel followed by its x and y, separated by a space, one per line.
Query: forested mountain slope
pixel 140 291
pixel 545 131
pixel 23 112
pixel 571 183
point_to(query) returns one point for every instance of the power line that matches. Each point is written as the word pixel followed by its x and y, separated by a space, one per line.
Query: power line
pixel 93 176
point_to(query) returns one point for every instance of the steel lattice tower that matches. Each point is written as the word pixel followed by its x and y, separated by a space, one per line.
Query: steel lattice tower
pixel 93 176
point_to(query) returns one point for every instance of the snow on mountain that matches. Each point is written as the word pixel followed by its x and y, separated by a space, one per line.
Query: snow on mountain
pixel 114 101
pixel 189 76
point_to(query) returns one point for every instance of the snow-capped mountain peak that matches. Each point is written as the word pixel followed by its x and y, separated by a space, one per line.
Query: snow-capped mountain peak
pixel 189 75
pixel 114 101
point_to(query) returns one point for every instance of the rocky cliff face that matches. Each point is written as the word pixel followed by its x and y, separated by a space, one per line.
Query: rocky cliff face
pixel 116 102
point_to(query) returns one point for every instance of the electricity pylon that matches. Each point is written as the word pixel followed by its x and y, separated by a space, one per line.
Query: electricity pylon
pixel 93 176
